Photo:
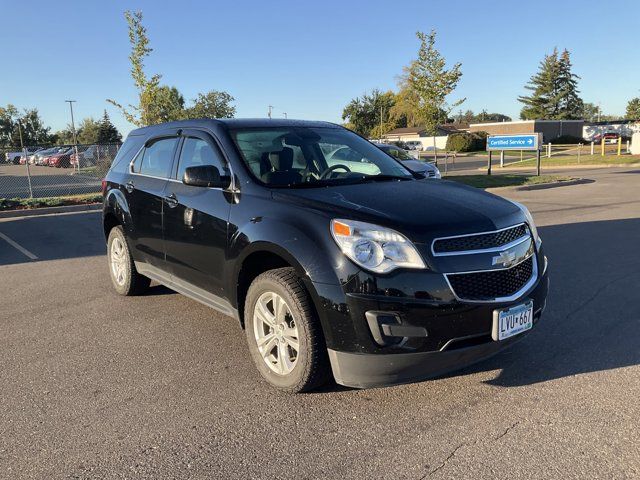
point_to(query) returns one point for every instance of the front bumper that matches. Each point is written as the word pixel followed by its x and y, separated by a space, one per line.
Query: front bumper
pixel 449 335
pixel 374 370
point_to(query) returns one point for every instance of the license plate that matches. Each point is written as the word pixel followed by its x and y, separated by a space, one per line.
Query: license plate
pixel 512 321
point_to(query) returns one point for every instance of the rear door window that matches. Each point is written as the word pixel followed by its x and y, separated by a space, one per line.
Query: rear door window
pixel 156 158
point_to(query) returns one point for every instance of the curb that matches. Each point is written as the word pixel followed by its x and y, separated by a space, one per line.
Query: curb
pixel 544 186
pixel 50 210
pixel 576 166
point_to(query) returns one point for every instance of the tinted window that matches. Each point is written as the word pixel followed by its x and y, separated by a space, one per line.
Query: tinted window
pixel 197 152
pixel 131 145
pixel 291 156
pixel 155 159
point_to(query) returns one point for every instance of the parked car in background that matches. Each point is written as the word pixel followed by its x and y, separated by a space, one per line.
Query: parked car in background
pixel 414 145
pixel 60 159
pixel 42 157
pixel 428 169
pixel 610 137
pixel 15 156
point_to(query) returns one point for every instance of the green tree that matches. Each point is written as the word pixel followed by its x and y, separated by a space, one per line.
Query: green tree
pixel 88 131
pixel 160 103
pixel 369 115
pixel 168 105
pixel 140 114
pixel 554 91
pixel 425 86
pixel 590 111
pixel 213 104
pixel 63 137
pixel 482 117
pixel 633 109
pixel 12 123
pixel 108 133
pixel 570 105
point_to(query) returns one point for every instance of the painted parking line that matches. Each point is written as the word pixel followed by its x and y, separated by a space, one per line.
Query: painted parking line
pixel 18 247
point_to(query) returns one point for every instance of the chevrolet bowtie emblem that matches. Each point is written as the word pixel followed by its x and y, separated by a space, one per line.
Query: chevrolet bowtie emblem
pixel 505 259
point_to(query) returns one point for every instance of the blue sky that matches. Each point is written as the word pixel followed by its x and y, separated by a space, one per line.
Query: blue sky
pixel 308 58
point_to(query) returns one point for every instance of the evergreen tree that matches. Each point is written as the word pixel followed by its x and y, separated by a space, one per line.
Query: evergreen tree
pixel 554 91
pixel 570 105
pixel 108 133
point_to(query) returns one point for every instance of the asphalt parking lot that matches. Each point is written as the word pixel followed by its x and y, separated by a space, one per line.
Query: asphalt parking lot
pixel 94 385
pixel 45 181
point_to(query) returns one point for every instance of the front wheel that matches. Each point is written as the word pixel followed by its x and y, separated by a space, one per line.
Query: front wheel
pixel 284 336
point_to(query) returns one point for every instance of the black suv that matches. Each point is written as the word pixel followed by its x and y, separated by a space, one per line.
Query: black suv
pixel 358 269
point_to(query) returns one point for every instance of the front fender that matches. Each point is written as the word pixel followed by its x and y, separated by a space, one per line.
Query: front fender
pixel 310 255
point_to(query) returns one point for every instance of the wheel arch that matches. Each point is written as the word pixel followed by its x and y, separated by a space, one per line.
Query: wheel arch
pixel 261 257
pixel 115 212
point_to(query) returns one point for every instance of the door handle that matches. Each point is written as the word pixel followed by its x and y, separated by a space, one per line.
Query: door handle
pixel 172 200
pixel 129 186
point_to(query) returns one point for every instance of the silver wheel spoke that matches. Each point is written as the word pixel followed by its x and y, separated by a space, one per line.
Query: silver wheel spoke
pixel 275 333
pixel 264 314
pixel 266 343
pixel 284 362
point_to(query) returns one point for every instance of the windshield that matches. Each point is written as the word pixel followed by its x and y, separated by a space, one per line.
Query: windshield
pixel 398 152
pixel 313 156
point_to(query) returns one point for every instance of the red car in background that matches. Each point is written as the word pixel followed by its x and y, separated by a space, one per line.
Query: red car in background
pixel 60 159
pixel 608 137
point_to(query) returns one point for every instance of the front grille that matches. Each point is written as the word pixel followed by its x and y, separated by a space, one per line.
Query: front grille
pixel 480 241
pixel 492 284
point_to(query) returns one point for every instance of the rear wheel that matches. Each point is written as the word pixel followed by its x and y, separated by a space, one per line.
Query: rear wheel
pixel 124 276
pixel 284 336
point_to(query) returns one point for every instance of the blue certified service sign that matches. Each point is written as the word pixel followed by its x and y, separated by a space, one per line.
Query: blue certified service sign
pixel 513 142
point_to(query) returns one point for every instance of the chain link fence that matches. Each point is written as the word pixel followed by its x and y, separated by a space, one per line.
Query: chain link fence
pixel 39 171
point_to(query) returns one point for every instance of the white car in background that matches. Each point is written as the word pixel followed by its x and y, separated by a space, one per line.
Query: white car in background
pixel 414 145
pixel 428 169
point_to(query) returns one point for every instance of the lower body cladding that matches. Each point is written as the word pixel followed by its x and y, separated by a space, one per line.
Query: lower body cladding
pixel 399 340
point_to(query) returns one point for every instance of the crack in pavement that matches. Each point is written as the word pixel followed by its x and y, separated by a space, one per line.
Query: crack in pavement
pixel 455 450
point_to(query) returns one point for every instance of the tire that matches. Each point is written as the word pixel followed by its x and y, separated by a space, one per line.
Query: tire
pixel 310 367
pixel 125 278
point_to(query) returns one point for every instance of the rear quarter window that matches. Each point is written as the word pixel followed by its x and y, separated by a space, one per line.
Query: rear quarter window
pixel 130 147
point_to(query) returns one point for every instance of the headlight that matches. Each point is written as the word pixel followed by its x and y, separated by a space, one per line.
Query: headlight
pixel 532 224
pixel 375 248
pixel 438 174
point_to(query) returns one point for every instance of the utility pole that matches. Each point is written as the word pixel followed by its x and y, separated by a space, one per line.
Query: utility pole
pixel 73 130
pixel 381 113
pixel 270 109
pixel 26 158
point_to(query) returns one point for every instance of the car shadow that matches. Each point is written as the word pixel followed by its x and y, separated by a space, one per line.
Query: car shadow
pixel 592 319
pixel 52 237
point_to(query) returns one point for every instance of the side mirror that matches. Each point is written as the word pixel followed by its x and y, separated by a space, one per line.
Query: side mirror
pixel 205 176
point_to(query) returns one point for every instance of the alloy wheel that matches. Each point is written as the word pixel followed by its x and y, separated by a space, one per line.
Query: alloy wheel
pixel 118 256
pixel 276 333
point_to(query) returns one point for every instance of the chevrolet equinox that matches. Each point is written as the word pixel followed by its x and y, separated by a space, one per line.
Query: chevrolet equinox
pixel 333 257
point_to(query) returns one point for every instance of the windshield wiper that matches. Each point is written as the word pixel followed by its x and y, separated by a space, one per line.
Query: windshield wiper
pixel 382 178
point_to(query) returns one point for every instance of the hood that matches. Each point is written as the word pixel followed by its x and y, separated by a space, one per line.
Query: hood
pixel 420 209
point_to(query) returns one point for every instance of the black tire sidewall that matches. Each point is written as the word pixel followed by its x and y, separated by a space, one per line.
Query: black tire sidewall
pixel 126 288
pixel 298 377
